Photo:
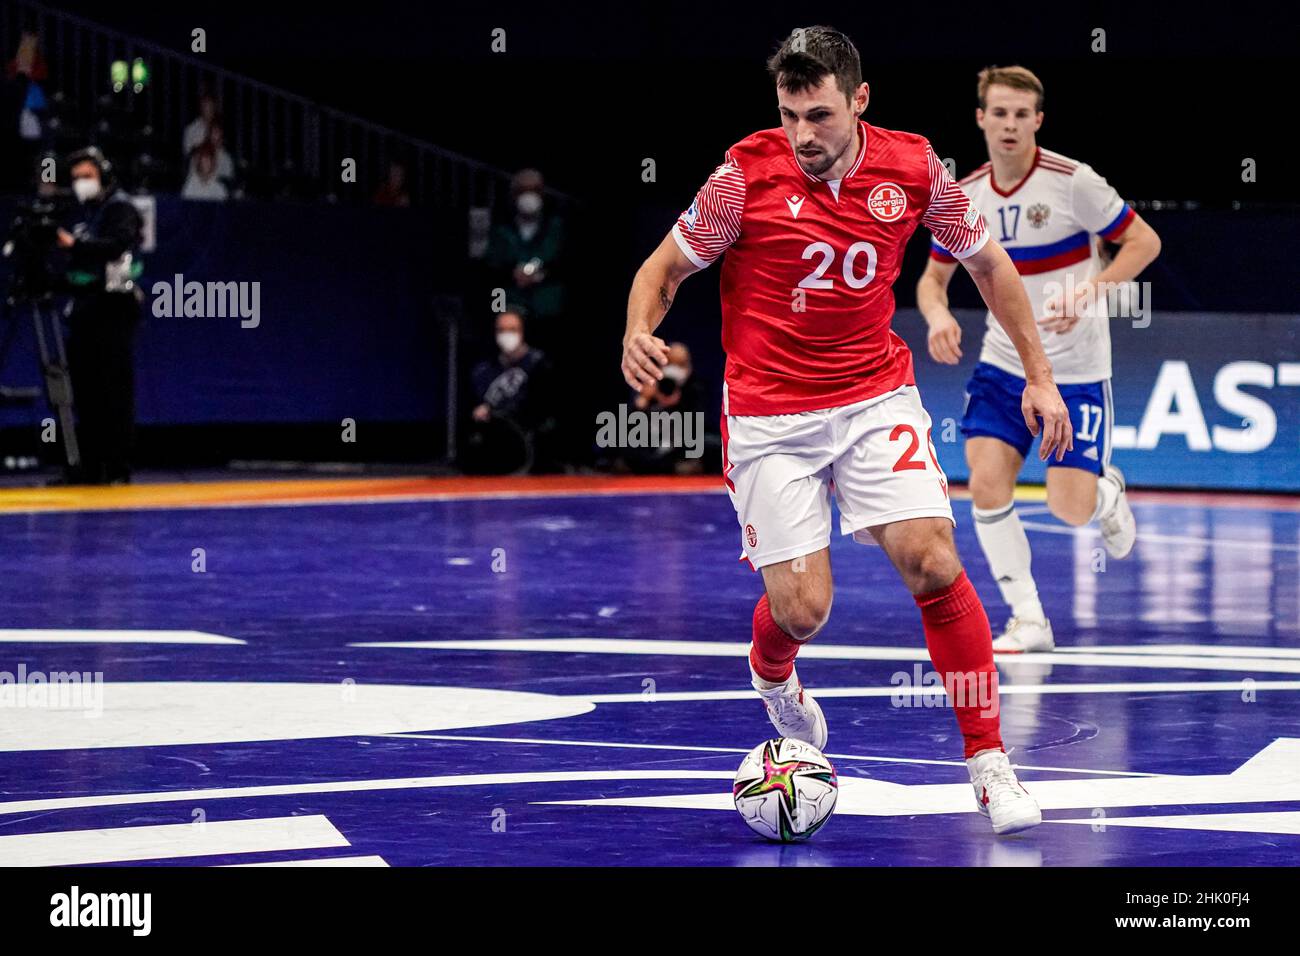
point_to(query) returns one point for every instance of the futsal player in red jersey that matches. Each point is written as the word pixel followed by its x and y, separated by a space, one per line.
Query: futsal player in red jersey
pixel 810 221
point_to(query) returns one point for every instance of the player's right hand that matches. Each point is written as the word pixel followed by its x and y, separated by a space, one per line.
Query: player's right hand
pixel 644 356
pixel 1043 400
pixel 945 341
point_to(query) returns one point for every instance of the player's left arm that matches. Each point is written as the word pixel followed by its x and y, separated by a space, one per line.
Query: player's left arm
pixel 960 229
pixel 1100 210
pixel 1139 245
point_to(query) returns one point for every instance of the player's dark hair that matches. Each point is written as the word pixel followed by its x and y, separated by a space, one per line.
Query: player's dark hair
pixel 809 54
pixel 515 309
pixel 1016 77
pixel 93 155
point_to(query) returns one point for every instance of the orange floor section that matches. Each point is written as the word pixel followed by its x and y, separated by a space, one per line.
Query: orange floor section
pixel 301 491
pixel 320 490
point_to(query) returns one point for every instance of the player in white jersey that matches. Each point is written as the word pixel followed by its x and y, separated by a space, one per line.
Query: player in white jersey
pixel 1045 210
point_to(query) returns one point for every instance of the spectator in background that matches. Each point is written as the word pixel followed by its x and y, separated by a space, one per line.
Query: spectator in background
pixel 202 182
pixel 200 128
pixel 22 109
pixel 102 238
pixel 525 256
pixel 224 163
pixel 29 60
pixel 678 391
pixel 392 191
pixel 513 419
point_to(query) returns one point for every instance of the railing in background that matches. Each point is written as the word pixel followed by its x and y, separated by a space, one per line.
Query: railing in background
pixel 270 128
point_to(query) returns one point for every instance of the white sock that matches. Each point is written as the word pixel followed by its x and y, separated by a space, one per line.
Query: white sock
pixel 1107 494
pixel 1007 549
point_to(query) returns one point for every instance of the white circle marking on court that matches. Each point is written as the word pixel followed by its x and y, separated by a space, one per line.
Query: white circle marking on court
pixel 152 714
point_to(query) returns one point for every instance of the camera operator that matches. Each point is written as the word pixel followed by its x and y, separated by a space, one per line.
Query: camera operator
pixel 514 419
pixel 102 243
pixel 682 392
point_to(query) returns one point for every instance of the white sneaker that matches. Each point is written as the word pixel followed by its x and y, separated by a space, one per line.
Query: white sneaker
pixel 793 711
pixel 1023 636
pixel 1118 526
pixel 999 795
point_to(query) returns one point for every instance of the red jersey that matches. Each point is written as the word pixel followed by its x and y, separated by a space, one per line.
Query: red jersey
pixel 809 267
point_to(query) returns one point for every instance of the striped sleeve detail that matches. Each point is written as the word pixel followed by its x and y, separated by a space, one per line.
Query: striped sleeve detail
pixel 712 223
pixel 939 254
pixel 956 224
pixel 1118 224
pixel 1056 162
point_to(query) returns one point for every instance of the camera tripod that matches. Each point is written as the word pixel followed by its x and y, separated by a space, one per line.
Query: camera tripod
pixel 54 364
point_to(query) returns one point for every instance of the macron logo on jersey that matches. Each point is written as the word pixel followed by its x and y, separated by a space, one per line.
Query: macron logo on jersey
pixel 795 203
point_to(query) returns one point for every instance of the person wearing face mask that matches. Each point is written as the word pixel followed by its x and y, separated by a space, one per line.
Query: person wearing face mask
pixel 525 254
pixel 678 391
pixel 513 420
pixel 102 245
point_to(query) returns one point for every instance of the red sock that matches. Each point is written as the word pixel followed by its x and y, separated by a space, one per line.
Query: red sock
pixel 773 652
pixel 961 648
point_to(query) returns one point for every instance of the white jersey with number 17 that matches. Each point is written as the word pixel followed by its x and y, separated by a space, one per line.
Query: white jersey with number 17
pixel 1048 222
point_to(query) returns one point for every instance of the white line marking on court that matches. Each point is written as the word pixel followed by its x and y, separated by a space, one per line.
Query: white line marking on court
pixel 353 786
pixel 1195 650
pixel 935 693
pixel 166 713
pixel 742 750
pixel 1267 821
pixel 34 635
pixel 1271 776
pixel 1147 537
pixel 1079 657
pixel 167 842
pixel 322 861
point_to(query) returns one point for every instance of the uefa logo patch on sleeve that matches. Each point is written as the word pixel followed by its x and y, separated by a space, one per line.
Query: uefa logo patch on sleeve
pixel 887 202
pixel 689 217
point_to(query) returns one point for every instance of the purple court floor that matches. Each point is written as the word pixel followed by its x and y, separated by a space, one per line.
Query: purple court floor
pixel 561 681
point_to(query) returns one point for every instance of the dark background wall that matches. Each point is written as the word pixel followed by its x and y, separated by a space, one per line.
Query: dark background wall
pixel 1180 97
pixel 1182 93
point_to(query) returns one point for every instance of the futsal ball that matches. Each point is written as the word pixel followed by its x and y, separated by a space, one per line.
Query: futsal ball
pixel 785 789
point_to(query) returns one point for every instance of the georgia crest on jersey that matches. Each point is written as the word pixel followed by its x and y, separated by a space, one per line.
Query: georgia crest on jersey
pixel 809 265
pixel 1048 223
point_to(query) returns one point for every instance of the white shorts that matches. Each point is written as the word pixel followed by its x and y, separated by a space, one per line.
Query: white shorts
pixel 877 455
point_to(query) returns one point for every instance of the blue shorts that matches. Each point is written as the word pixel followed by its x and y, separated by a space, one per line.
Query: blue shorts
pixel 993 411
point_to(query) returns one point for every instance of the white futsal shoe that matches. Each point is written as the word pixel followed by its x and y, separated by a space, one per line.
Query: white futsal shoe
pixel 1118 526
pixel 999 795
pixel 792 710
pixel 1023 636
